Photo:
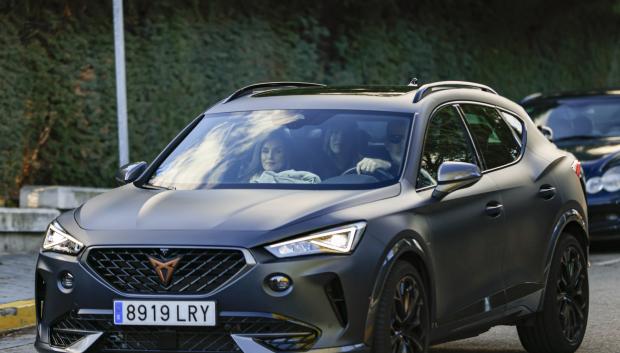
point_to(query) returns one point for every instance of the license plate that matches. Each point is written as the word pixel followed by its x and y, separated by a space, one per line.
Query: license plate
pixel 164 313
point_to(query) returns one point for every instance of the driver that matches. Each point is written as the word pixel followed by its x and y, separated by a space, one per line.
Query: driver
pixel 395 146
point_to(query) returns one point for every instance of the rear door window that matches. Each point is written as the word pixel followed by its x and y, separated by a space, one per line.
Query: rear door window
pixel 498 143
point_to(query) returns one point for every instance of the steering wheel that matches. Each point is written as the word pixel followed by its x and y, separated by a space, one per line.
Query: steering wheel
pixel 379 173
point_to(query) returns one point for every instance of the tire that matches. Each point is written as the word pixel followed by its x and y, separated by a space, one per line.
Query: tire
pixel 404 292
pixel 561 325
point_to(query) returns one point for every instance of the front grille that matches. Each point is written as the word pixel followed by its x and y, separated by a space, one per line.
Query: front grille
pixel 199 271
pixel 139 338
pixel 290 343
pixel 65 338
pixel 278 334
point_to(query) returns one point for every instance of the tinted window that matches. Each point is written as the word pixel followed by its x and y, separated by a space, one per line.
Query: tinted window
pixel 446 141
pixel 496 141
pixel 515 124
pixel 308 149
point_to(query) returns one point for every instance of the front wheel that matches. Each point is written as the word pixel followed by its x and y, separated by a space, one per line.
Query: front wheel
pixel 561 325
pixel 403 322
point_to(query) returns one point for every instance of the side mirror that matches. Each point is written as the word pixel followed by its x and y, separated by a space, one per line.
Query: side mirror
pixel 130 172
pixel 453 176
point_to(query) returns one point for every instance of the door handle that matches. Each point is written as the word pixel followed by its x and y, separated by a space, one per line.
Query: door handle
pixel 547 192
pixel 494 209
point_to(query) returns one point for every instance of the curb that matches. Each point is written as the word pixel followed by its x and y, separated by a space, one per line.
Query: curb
pixel 17 315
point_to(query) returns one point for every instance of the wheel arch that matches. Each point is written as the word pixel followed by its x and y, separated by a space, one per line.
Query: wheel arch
pixel 576 229
pixel 409 247
pixel 570 221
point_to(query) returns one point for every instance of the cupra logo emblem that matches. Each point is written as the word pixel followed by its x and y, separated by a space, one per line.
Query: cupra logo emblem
pixel 164 268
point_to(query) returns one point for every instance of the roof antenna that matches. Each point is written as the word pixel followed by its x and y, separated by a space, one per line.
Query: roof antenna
pixel 414 82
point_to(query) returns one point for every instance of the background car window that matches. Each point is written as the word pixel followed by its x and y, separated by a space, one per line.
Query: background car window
pixel 579 117
pixel 446 140
pixel 497 142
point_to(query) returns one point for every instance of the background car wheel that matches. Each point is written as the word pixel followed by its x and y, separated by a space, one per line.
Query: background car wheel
pixel 561 325
pixel 402 324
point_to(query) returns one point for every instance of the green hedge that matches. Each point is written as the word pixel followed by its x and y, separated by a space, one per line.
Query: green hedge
pixel 57 88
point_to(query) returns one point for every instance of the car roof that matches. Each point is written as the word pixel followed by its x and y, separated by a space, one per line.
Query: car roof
pixel 387 98
pixel 303 95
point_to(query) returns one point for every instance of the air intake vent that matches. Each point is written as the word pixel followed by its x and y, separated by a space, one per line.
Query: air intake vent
pixel 335 294
pixel 39 294
pixel 277 334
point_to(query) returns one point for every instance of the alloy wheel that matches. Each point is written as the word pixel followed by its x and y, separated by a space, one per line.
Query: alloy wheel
pixel 571 295
pixel 407 332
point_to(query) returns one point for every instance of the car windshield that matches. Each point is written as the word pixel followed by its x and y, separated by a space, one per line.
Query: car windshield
pixel 307 149
pixel 578 118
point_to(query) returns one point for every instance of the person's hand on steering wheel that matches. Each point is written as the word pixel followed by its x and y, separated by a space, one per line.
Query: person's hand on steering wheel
pixel 371 165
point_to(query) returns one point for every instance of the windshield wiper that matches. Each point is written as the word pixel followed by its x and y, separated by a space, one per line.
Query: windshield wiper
pixel 580 137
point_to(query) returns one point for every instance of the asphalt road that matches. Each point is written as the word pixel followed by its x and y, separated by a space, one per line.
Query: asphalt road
pixel 603 335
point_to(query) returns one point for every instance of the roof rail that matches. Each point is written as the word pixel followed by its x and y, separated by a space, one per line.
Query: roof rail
pixel 252 88
pixel 429 88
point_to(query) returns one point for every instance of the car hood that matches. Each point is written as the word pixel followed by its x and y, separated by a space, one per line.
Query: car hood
pixel 133 208
pixel 589 150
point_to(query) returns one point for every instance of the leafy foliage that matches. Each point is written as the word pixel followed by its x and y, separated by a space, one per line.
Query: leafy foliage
pixel 58 100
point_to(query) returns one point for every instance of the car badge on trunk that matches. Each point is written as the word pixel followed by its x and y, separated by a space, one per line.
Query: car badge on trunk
pixel 164 268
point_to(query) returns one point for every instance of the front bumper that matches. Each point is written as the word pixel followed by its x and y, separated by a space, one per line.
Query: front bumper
pixel 245 344
pixel 250 317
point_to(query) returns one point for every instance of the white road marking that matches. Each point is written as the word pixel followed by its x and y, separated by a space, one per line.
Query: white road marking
pixel 606 263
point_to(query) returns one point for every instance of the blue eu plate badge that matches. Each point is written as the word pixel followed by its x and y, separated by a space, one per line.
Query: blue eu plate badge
pixel 118 313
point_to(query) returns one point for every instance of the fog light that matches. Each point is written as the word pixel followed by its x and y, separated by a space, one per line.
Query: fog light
pixel 66 280
pixel 279 282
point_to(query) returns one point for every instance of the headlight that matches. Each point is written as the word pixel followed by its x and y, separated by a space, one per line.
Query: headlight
pixel 594 185
pixel 57 239
pixel 610 181
pixel 341 240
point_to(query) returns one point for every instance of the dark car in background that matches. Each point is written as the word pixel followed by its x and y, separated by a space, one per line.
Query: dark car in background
pixel 587 124
pixel 297 217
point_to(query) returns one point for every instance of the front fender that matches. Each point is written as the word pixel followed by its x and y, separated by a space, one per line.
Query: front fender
pixel 404 247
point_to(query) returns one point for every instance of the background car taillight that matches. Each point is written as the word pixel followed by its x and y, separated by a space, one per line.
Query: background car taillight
pixel 576 166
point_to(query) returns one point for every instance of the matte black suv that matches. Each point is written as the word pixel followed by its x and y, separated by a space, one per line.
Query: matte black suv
pixel 297 217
